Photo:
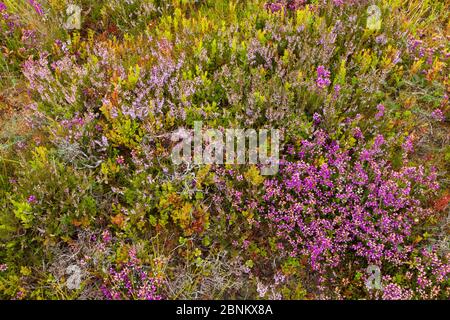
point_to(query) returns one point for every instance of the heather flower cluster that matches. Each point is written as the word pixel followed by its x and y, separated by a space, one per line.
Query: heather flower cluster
pixel 380 112
pixel 438 115
pixel 88 181
pixel 131 281
pixel 334 206
pixel 291 5
pixel 323 77
pixel 36 6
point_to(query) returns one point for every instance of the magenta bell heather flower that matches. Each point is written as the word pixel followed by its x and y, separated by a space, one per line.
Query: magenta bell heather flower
pixel 274 7
pixel 438 115
pixel 316 119
pixel 395 292
pixel 32 199
pixel 379 141
pixel 131 281
pixel 408 146
pixel 349 203
pixel 120 160
pixel 322 72
pixel 357 133
pixel 323 77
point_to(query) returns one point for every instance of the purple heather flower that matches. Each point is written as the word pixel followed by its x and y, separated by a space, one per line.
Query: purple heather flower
pixel 279 5
pixel 323 77
pixel 381 39
pixel 438 115
pixel 408 146
pixel 131 280
pixel 374 202
pixel 295 4
pixel 357 133
pixel 316 119
pixel 394 292
pixel 322 72
pixel 397 57
pixel 337 90
pixel 37 7
pixel 274 7
pixel 380 113
pixel 20 295
pixel 106 236
pixel 262 289
pixel 2 6
pixel 32 199
pixel 379 141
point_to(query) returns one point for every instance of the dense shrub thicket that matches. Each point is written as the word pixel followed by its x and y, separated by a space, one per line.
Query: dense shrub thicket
pixel 88 187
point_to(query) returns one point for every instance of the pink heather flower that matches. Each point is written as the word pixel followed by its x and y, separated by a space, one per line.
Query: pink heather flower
pixel 288 4
pixel 279 278
pixel 130 281
pixel 323 77
pixel 369 195
pixel 120 160
pixel 438 115
pixel 37 7
pixel 322 72
pixel 338 2
pixel 32 199
pixel 394 292
pixel 408 146
pixel 295 4
pixel 316 119
pixel 379 141
pixel 106 236
pixel 274 7
pixel 337 90
pixel 3 267
pixel 357 133
pixel 380 113
pixel 20 295
pixel 261 289
pixel 381 39
pixel 2 6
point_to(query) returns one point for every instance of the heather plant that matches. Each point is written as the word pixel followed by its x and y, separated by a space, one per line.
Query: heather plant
pixel 334 205
pixel 130 281
pixel 358 94
pixel 26 28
